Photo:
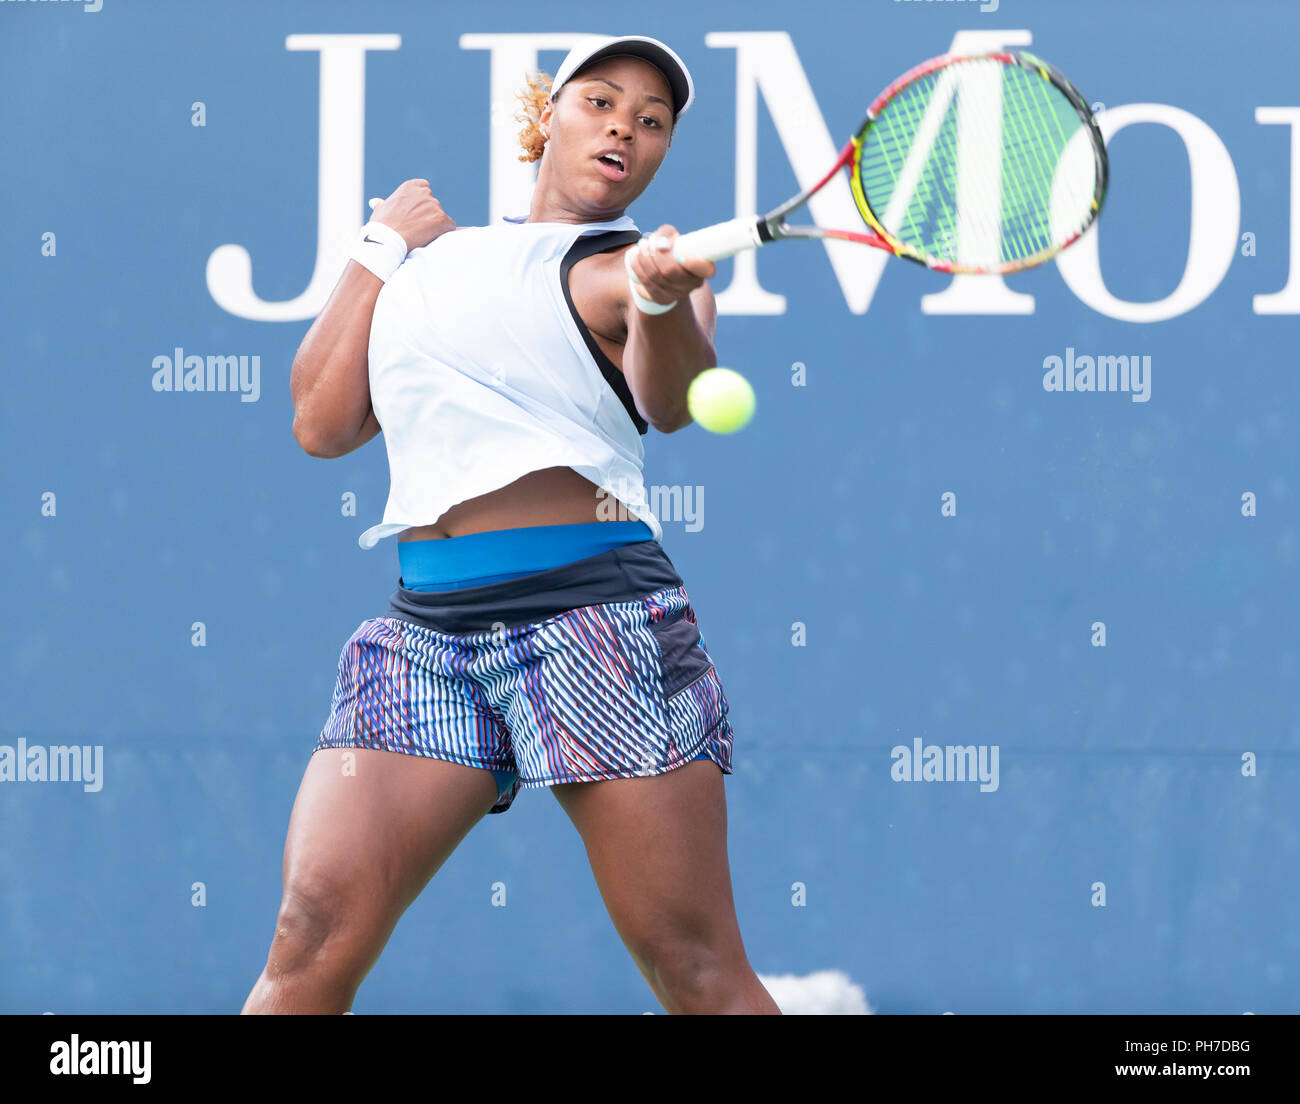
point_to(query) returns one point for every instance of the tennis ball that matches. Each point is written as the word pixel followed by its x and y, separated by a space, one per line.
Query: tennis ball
pixel 721 400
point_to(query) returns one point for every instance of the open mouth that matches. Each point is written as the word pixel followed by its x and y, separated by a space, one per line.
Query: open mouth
pixel 612 166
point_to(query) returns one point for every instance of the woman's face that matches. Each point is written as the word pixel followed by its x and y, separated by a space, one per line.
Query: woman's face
pixel 622 105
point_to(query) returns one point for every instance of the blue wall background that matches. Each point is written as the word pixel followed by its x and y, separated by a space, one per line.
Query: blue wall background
pixel 1120 764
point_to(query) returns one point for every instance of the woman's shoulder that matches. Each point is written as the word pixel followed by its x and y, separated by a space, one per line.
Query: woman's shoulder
pixel 458 235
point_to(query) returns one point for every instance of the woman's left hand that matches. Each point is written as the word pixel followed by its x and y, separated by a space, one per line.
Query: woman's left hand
pixel 660 275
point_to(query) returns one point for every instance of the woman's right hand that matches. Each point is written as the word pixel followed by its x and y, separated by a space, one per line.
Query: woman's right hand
pixel 414 213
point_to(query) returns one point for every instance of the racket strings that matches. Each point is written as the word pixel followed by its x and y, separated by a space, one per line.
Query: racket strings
pixel 1046 148
pixel 980 164
pixel 920 207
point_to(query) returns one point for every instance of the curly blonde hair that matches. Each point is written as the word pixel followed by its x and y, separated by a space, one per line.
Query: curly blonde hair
pixel 533 98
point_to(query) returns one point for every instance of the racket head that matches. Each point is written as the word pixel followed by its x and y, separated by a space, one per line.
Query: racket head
pixel 981 163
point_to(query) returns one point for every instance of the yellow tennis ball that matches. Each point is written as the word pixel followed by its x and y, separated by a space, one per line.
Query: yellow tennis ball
pixel 721 400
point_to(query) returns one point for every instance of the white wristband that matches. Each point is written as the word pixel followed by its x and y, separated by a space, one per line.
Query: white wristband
pixel 379 248
pixel 646 306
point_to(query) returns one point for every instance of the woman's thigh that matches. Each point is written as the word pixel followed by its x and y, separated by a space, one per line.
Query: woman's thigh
pixel 369 828
pixel 658 851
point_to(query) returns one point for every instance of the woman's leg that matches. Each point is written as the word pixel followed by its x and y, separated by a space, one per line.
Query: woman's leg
pixel 364 839
pixel 658 850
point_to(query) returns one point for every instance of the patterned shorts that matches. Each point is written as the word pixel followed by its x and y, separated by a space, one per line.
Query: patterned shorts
pixel 589 671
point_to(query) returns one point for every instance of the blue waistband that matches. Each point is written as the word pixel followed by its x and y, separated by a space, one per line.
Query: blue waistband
pixel 477 559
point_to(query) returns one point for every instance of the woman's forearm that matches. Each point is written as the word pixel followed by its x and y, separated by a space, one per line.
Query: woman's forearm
pixel 330 380
pixel 663 354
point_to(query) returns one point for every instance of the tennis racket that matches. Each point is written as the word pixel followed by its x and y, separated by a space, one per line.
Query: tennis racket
pixel 987 163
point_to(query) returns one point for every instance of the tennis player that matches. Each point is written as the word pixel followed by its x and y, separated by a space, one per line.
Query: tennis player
pixel 539 635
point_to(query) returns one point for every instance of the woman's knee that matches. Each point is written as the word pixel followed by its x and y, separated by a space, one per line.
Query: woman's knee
pixel 693 973
pixel 321 926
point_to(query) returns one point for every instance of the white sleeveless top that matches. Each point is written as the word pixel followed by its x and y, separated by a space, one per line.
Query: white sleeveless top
pixel 481 371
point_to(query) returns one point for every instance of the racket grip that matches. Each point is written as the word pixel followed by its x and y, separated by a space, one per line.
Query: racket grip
pixel 725 239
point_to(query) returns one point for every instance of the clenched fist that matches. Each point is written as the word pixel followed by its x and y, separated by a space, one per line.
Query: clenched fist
pixel 414 213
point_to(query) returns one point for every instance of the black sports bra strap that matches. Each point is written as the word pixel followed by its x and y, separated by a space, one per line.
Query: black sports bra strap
pixel 587 246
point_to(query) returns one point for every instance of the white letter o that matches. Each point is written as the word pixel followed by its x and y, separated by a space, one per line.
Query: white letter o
pixel 1216 217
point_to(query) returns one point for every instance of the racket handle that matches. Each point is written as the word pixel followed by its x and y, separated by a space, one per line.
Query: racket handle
pixel 725 239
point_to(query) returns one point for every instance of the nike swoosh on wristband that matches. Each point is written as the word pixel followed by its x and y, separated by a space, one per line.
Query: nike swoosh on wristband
pixel 371 240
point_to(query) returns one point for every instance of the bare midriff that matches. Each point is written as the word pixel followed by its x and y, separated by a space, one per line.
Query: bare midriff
pixel 549 496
